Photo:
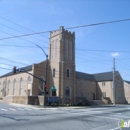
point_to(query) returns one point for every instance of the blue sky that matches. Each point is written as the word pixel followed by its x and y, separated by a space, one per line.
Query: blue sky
pixel 95 45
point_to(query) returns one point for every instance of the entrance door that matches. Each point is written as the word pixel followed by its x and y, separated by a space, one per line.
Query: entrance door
pixel 53 93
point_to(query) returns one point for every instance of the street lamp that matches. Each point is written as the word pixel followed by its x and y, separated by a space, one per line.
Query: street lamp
pixel 44 104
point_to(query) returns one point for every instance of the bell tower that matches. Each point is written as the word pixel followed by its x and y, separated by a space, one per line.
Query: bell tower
pixel 62 64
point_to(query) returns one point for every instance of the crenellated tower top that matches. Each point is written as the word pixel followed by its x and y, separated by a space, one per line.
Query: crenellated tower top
pixel 61 30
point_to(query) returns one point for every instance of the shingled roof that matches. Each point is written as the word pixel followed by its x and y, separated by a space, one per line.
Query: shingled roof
pixel 127 81
pixel 105 76
pixel 82 75
pixel 11 73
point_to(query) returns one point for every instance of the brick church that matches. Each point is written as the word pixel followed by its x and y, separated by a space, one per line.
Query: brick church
pixel 63 80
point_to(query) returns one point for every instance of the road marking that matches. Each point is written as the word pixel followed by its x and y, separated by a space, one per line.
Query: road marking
pixel 97 111
pixel 20 109
pixel 27 109
pixel 12 109
pixel 108 117
pixel 36 108
pixel 98 116
pixel 120 116
pixel 3 109
pixel 118 113
pixel 115 128
pixel 99 127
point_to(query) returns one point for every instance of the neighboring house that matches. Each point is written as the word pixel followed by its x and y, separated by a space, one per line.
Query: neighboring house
pixel 70 85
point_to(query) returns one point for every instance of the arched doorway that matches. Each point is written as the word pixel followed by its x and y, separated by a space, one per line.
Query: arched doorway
pixel 67 94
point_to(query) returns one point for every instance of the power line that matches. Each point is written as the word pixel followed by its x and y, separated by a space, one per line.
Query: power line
pixel 122 64
pixel 12 61
pixel 20 38
pixel 124 59
pixel 77 49
pixel 20 25
pixel 20 32
pixel 95 24
pixel 5 68
pixel 93 61
pixel 71 75
pixel 104 50
pixel 49 70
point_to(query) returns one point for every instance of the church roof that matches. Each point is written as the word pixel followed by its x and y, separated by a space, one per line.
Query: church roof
pixel 81 75
pixel 127 81
pixel 11 73
pixel 105 76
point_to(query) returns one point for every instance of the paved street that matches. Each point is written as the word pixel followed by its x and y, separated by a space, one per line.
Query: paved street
pixel 16 117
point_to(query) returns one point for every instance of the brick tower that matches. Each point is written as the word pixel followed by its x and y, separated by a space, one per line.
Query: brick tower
pixel 62 64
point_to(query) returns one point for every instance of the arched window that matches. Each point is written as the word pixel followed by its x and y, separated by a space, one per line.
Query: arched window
pixel 0 86
pixel 14 87
pixel 4 88
pixel 56 48
pixel 29 86
pixel 66 48
pixel 8 87
pixel 70 50
pixel 29 80
pixel 4 84
pixel 67 92
pixel 52 50
pixel 21 86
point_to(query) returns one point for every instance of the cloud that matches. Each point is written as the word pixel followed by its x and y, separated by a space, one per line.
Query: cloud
pixel 115 54
pixel 4 66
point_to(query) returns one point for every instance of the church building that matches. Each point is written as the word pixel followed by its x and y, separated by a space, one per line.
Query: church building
pixel 62 78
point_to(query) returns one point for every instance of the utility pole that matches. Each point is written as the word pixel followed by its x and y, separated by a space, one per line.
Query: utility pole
pixel 114 98
pixel 45 85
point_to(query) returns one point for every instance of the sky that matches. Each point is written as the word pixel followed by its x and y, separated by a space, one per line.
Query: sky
pixel 96 46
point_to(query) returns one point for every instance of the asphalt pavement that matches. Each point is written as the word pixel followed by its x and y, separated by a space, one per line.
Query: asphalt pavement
pixel 22 117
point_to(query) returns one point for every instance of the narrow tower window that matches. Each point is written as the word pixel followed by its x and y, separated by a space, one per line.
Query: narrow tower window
pixel 56 48
pixel 52 50
pixel 68 73
pixel 70 50
pixel 66 49
pixel 53 72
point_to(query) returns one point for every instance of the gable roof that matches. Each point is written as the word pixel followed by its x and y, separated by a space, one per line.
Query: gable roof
pixel 11 73
pixel 127 81
pixel 105 76
pixel 84 76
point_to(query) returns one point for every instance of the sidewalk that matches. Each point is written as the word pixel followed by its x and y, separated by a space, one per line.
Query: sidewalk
pixel 63 107
pixel 46 107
